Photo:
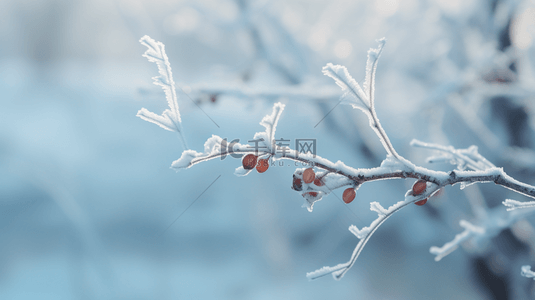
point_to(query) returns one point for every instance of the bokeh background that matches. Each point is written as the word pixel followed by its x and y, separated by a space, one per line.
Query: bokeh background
pixel 89 205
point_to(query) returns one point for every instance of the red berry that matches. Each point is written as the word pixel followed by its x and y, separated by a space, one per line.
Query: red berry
pixel 318 182
pixel 249 161
pixel 297 184
pixel 308 175
pixel 419 187
pixel 421 202
pixel 349 195
pixel 262 166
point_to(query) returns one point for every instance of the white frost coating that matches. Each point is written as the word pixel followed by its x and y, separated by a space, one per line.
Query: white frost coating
pixel 325 271
pixel 170 118
pixel 450 246
pixel 185 159
pixel 240 171
pixel 301 92
pixel 310 200
pixel 391 164
pixel 473 228
pixel 212 149
pixel 270 123
pixel 359 233
pixel 526 272
pixel 363 99
pixel 514 204
pixel 353 93
pixel 376 207
pixel 215 146
pixel 371 67
pixel 329 183
pixel 365 233
pixel 469 231
pixel 489 225
pixel 463 158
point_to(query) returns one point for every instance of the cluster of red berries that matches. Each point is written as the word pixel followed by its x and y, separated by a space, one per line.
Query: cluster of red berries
pixel 417 189
pixel 309 176
pixel 250 161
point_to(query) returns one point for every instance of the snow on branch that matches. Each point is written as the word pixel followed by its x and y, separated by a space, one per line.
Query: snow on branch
pixel 526 272
pixel 464 158
pixel 170 118
pixel 303 92
pixel 471 166
pixel 353 93
pixel 470 159
pixel 363 99
pixel 514 204
pixel 482 230
pixel 365 233
pixel 371 67
pixel 270 123
pixel 214 147
pixel 469 231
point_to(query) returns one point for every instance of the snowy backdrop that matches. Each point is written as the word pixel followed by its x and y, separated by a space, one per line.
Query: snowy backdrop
pixel 91 209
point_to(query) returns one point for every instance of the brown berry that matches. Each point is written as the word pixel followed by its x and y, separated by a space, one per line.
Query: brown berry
pixel 262 166
pixel 297 184
pixel 249 161
pixel 421 202
pixel 308 175
pixel 318 182
pixel 349 195
pixel 419 187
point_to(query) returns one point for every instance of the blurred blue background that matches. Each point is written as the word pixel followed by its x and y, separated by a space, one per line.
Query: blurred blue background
pixel 86 192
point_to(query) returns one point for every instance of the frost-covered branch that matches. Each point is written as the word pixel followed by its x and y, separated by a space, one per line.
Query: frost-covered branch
pixel 463 158
pixel 363 99
pixel 470 159
pixel 469 231
pixel 303 92
pixel 365 233
pixel 170 118
pixel 481 230
pixel 526 272
pixel 324 176
pixel 514 204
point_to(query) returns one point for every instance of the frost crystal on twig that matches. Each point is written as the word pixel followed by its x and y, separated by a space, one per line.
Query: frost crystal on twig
pixel 471 166
pixel 365 233
pixel 268 136
pixel 363 99
pixel 213 148
pixel 485 227
pixel 526 272
pixel 464 158
pixel 170 118
pixel 270 123
pixel 469 231
pixel 353 93
pixel 514 204
pixel 216 147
